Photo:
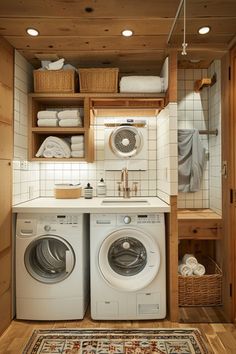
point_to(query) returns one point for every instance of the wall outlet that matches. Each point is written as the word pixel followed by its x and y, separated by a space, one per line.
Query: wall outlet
pixel 24 165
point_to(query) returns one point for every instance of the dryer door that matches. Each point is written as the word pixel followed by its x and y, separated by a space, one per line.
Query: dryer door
pixel 49 259
pixel 129 259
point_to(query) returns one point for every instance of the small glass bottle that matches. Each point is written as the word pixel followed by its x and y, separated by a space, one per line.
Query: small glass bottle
pixel 101 188
pixel 88 192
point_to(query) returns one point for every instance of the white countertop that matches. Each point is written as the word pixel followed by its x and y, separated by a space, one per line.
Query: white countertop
pixel 94 205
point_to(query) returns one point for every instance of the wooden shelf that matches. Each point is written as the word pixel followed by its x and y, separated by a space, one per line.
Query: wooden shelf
pixel 204 82
pixel 58 130
pixel 199 224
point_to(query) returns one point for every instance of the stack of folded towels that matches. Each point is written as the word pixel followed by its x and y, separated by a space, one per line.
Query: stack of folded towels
pixel 77 146
pixel 47 119
pixel 70 118
pixel 53 146
pixel 190 266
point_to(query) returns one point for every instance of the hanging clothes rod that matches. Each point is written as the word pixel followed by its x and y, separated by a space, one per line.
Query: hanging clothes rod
pixel 209 132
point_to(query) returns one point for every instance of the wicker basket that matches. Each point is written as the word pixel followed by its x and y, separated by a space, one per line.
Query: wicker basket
pixel 60 81
pixel 203 290
pixel 98 80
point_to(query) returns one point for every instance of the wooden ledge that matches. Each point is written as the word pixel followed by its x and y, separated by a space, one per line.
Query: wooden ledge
pixel 186 214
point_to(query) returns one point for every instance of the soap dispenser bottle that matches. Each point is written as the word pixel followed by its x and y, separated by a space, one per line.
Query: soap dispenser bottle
pixel 101 188
pixel 88 192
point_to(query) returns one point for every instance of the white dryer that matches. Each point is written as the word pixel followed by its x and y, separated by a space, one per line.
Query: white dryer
pixel 128 266
pixel 126 144
pixel 52 266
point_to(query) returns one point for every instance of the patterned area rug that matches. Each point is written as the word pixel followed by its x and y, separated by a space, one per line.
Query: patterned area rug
pixel 105 341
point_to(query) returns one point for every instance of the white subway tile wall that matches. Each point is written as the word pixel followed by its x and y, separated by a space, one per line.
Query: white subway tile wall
pixel 51 173
pixel 215 141
pixel 202 111
pixel 25 174
pixel 166 147
pixel 193 113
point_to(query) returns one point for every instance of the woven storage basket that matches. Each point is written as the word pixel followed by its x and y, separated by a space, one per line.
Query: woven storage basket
pixel 98 80
pixel 203 290
pixel 60 81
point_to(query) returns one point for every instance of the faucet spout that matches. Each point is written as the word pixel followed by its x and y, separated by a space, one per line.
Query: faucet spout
pixel 125 183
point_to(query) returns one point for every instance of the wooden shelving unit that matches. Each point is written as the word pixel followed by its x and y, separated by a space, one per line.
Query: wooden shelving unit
pixel 92 105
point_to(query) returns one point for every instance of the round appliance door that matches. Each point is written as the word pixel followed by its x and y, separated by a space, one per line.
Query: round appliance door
pixel 49 259
pixel 129 259
pixel 126 141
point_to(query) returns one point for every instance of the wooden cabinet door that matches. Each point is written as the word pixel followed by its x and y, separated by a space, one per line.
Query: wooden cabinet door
pixel 5 204
pixel 6 104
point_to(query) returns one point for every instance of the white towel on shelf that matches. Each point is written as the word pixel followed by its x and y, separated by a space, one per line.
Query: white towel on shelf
pixel 47 115
pixel 69 114
pixel 144 84
pixel 78 147
pixel 77 139
pixel 70 122
pixel 77 153
pixel 47 122
pixel 48 153
pixel 199 269
pixel 185 270
pixel 190 260
pixel 59 147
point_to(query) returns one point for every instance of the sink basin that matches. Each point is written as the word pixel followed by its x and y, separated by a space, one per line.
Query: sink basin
pixel 119 201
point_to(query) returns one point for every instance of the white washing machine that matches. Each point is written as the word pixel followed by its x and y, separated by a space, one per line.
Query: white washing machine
pixel 126 144
pixel 127 266
pixel 52 266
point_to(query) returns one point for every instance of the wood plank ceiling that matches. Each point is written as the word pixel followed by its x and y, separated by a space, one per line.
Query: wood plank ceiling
pixel 87 33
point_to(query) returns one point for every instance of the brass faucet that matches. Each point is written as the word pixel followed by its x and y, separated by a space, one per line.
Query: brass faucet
pixel 125 183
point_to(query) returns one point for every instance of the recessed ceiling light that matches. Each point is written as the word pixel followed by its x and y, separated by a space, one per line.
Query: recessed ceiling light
pixel 32 32
pixel 194 61
pixel 127 33
pixel 204 30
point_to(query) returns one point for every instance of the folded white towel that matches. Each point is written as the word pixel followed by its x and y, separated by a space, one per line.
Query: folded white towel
pixel 48 153
pixel 47 115
pixel 199 269
pixel 185 270
pixel 56 65
pixel 142 84
pixel 69 114
pixel 77 153
pixel 190 260
pixel 78 147
pixel 60 147
pixel 77 139
pixel 47 122
pixel 70 123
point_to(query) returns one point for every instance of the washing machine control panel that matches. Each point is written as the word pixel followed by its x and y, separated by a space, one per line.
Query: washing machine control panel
pixel 138 219
pixel 58 219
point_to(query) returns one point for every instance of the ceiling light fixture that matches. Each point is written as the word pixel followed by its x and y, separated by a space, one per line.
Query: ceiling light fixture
pixel 204 30
pixel 127 33
pixel 32 32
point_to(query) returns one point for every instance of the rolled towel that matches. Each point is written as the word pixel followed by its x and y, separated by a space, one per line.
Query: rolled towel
pixel 47 115
pixel 47 122
pixel 185 270
pixel 69 114
pixel 199 269
pixel 48 153
pixel 77 139
pixel 142 84
pixel 77 153
pixel 77 147
pixel 58 146
pixel 70 122
pixel 190 260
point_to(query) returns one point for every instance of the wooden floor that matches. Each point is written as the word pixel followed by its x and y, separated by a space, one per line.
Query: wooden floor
pixel 221 337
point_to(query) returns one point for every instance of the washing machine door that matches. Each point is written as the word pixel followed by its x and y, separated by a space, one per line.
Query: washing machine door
pixel 49 259
pixel 129 259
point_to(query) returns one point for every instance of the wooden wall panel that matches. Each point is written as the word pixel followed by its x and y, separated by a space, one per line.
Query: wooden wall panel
pixel 6 141
pixel 5 204
pixel 6 264
pixel 6 104
pixel 6 63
